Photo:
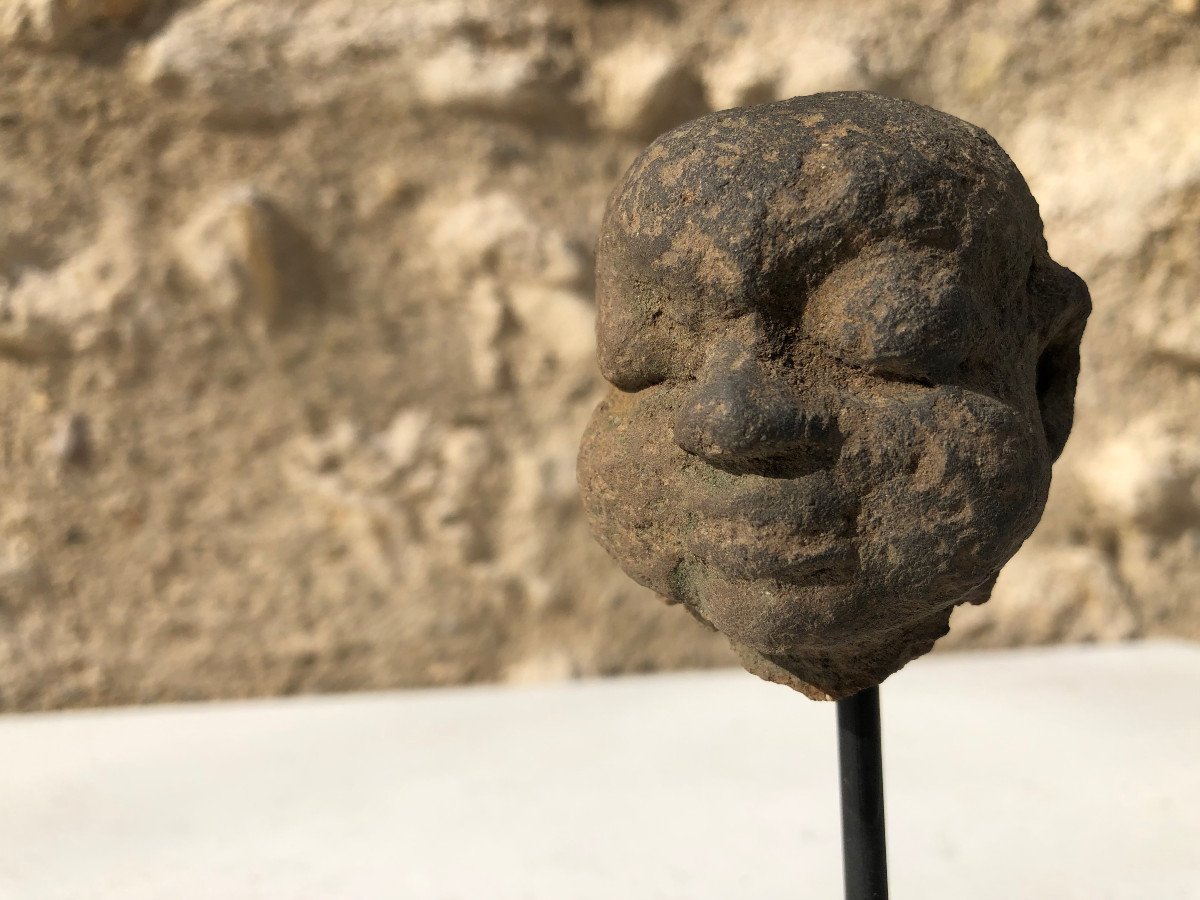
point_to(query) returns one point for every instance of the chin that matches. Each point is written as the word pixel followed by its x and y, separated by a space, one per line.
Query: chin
pixel 827 640
pixel 772 616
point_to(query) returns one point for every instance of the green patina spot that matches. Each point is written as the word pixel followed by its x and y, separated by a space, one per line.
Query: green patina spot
pixel 685 580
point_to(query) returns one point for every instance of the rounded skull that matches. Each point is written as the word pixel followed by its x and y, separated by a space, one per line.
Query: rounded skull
pixel 843 362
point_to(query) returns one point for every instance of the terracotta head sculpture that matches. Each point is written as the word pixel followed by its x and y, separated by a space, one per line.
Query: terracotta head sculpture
pixel 843 362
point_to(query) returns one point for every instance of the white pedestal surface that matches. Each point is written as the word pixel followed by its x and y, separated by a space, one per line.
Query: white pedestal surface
pixel 1056 773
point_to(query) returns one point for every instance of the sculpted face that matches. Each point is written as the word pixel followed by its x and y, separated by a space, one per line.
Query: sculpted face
pixel 843 363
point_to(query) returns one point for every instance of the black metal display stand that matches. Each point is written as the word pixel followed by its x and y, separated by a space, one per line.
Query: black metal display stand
pixel 860 761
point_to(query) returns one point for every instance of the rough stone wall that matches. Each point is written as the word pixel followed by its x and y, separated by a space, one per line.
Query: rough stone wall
pixel 295 321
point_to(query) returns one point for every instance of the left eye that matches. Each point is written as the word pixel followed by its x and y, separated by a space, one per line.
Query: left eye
pixel 918 371
pixel 896 314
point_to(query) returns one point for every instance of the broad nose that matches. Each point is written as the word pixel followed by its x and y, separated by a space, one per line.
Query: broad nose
pixel 744 418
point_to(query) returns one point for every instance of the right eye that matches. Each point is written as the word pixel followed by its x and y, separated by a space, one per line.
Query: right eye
pixel 634 347
pixel 630 373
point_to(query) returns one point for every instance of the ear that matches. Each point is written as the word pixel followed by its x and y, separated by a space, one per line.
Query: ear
pixel 1061 304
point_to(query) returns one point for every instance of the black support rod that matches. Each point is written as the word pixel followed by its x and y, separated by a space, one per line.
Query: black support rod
pixel 860 759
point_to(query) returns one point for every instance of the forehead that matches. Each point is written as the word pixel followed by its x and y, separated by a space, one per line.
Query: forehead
pixel 748 208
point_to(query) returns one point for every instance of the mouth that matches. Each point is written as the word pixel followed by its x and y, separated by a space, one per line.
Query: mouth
pixel 837 562
pixel 749 551
pixel 799 531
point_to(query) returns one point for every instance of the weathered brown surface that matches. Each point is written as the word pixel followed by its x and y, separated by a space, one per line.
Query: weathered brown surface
pixel 844 362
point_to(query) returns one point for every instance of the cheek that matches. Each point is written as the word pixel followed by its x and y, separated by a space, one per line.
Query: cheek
pixel 627 478
pixel 961 485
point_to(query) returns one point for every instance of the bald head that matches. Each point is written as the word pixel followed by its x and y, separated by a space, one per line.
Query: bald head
pixel 754 210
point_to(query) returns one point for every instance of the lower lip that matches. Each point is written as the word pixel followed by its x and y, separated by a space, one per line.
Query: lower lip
pixel 815 559
pixel 834 564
